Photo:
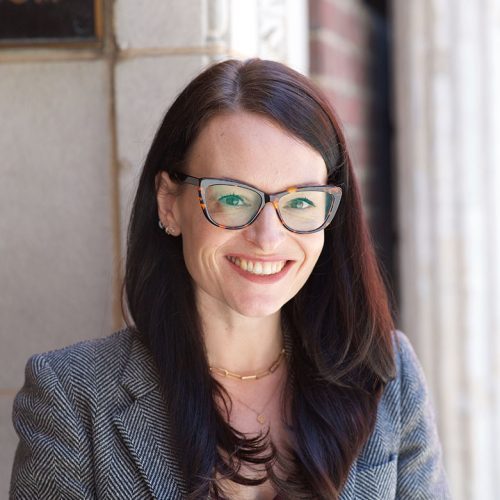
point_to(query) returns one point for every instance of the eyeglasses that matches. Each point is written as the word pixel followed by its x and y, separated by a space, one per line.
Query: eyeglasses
pixel 232 204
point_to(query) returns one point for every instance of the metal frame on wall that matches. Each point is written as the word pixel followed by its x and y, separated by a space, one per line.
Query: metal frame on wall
pixel 51 23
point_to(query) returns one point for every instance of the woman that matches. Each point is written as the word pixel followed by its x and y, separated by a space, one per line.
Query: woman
pixel 261 359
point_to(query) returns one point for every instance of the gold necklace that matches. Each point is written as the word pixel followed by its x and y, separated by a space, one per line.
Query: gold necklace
pixel 261 418
pixel 271 369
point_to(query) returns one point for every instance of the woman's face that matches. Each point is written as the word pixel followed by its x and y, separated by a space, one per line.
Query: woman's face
pixel 245 147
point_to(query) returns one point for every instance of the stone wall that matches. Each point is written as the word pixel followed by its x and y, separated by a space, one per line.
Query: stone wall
pixel 76 126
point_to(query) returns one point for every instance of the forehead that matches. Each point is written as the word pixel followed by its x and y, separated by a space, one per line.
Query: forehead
pixel 248 147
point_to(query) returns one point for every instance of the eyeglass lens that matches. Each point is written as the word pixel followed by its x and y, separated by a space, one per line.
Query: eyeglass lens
pixel 236 206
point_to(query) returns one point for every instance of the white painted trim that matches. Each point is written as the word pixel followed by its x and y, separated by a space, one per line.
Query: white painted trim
pixel 297 35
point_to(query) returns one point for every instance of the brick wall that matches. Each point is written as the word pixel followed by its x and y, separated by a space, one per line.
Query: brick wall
pixel 349 60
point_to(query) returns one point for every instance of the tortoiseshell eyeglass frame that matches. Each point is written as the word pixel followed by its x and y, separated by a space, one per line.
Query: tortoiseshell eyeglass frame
pixel 203 182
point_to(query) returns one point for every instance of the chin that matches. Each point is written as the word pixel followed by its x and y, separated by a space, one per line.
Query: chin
pixel 258 308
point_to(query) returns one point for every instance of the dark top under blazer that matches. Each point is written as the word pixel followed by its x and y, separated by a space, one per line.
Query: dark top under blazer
pixel 92 423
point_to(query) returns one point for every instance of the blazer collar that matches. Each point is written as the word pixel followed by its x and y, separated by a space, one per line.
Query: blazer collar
pixel 149 442
pixel 145 428
pixel 140 375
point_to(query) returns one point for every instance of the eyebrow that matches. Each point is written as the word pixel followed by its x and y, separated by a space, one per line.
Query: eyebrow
pixel 308 184
pixel 191 179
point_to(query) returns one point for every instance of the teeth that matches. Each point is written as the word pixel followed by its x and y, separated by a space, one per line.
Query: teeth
pixel 262 268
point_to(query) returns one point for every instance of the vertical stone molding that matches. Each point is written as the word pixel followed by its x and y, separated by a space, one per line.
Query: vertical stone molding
pixel 217 28
pixel 447 76
pixel 269 29
pixel 272 35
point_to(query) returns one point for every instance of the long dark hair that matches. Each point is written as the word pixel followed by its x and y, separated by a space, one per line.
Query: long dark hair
pixel 340 323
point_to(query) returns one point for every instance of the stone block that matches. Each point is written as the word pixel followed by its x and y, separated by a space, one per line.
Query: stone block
pixel 164 23
pixel 145 88
pixel 56 225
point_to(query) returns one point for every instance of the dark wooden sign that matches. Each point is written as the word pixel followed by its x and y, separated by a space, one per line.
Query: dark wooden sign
pixel 42 22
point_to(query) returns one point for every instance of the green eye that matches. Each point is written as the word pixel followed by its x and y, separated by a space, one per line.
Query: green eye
pixel 300 203
pixel 232 200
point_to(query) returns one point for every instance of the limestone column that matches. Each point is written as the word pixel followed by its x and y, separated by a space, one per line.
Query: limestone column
pixel 269 29
pixel 447 82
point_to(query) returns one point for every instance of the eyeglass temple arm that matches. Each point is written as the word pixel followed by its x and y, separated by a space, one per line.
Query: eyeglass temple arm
pixel 188 179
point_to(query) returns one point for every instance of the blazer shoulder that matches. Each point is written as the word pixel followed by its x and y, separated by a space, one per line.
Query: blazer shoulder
pixel 409 386
pixel 83 367
pixel 404 391
pixel 65 392
pixel 408 367
pixel 421 471
pixel 401 344
pixel 116 345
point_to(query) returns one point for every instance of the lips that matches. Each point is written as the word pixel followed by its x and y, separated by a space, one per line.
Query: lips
pixel 259 268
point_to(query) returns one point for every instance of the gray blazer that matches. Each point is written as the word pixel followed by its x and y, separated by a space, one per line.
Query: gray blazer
pixel 91 422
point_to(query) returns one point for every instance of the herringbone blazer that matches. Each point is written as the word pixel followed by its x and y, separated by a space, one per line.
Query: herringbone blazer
pixel 92 423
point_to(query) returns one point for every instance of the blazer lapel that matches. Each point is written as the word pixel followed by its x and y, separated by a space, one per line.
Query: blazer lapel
pixel 146 432
pixel 349 490
pixel 145 429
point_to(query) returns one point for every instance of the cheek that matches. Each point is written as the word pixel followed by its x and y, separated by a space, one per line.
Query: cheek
pixel 201 243
pixel 315 246
pixel 193 248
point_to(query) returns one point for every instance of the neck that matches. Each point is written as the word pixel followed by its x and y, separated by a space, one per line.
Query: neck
pixel 241 344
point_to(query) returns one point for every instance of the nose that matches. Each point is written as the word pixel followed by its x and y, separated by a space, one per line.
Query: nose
pixel 267 232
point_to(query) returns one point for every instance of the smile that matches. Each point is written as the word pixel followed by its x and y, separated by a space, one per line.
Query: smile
pixel 260 268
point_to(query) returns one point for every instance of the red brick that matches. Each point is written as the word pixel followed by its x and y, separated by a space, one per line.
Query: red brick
pixel 330 61
pixel 361 149
pixel 351 109
pixel 349 25
pixel 345 58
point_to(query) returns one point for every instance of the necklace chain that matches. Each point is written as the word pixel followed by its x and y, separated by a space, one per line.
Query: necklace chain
pixel 261 418
pixel 229 374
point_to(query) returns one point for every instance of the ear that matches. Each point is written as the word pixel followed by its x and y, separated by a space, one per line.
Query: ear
pixel 167 193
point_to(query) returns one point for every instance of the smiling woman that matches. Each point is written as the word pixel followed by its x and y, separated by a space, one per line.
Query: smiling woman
pixel 243 145
pixel 260 359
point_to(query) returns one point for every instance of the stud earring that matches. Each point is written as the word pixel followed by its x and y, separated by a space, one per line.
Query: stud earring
pixel 164 228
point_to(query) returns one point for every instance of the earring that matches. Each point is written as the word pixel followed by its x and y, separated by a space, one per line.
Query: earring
pixel 164 228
